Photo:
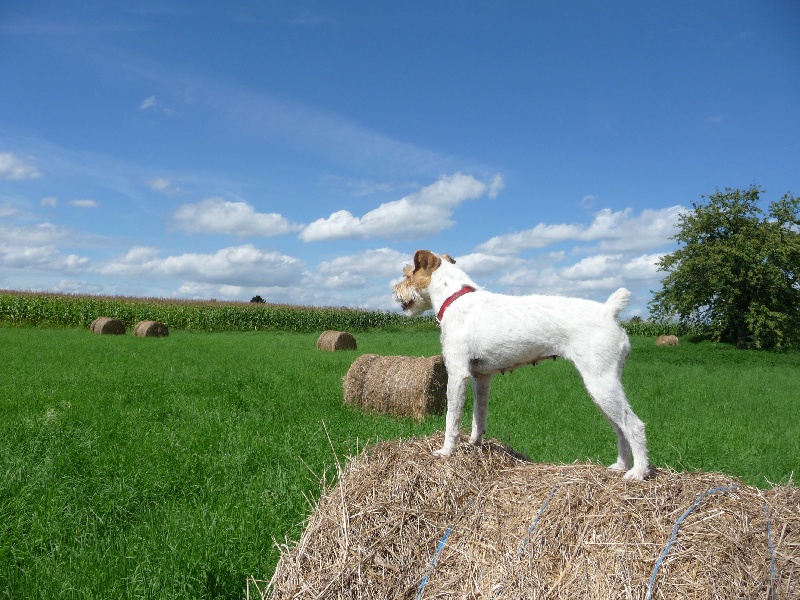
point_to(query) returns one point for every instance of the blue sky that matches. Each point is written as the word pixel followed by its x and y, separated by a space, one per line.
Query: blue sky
pixel 304 150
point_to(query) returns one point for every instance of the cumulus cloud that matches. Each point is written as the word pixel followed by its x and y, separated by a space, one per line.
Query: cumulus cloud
pixel 244 266
pixel 479 263
pixel 592 267
pixel 624 231
pixel 36 248
pixel 382 262
pixel 538 237
pixel 422 213
pixel 37 235
pixel 6 210
pixel 217 215
pixel 614 231
pixel 15 168
pixel 614 249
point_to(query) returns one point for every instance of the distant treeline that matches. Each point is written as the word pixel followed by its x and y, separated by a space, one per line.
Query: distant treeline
pixel 66 310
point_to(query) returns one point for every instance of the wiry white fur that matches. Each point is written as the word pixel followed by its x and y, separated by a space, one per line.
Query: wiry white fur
pixel 483 333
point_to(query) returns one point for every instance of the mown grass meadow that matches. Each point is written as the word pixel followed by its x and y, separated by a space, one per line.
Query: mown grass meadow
pixel 164 468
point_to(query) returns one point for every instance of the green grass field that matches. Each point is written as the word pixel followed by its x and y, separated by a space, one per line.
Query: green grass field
pixel 164 468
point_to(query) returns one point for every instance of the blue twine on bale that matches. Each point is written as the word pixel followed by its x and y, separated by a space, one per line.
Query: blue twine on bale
pixel 536 520
pixel 675 532
pixel 439 548
pixel 771 556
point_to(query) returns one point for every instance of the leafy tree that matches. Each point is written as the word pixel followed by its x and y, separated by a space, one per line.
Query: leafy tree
pixel 257 300
pixel 737 270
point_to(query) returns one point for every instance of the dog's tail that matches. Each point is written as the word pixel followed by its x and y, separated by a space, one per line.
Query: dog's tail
pixel 618 300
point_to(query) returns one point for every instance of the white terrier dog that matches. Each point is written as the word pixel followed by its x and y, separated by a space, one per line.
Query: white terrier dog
pixel 485 333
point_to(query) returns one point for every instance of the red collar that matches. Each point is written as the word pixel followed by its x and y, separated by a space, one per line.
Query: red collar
pixel 464 290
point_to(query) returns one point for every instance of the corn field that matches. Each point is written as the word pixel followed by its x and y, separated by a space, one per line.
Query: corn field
pixel 64 310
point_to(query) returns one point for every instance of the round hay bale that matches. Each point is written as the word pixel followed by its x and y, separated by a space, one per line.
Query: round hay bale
pixel 667 340
pixel 336 340
pixel 401 386
pixel 484 523
pixel 150 329
pixel 107 326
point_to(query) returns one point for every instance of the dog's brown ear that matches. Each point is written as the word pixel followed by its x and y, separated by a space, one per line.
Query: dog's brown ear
pixel 427 260
pixel 449 258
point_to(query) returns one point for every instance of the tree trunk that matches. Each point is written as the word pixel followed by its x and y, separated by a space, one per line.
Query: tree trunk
pixel 741 336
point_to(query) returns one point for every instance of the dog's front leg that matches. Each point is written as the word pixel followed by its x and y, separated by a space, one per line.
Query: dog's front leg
pixel 480 390
pixel 456 389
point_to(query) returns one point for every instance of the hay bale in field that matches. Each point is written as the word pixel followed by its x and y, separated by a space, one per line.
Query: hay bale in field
pixel 336 340
pixel 402 386
pixel 150 329
pixel 667 340
pixel 107 326
pixel 485 523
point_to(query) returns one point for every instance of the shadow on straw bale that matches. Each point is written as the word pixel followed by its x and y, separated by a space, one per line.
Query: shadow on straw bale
pixel 150 329
pixel 336 340
pixel 667 340
pixel 485 523
pixel 107 326
pixel 402 386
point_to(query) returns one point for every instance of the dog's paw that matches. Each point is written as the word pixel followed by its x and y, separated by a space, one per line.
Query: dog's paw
pixel 442 452
pixel 636 475
pixel 618 466
pixel 476 441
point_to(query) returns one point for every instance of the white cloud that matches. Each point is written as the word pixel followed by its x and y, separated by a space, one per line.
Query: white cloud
pixel 592 267
pixel 538 237
pixel 216 215
pixel 40 257
pixel 6 210
pixel 163 185
pixel 422 213
pixel 382 262
pixel 33 249
pixel 615 231
pixel 243 266
pixel 479 263
pixel 149 102
pixel 38 235
pixel 83 203
pixel 14 168
pixel 643 267
pixel 51 201
pixel 615 249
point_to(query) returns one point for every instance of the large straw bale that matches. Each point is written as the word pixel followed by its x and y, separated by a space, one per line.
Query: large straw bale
pixel 150 329
pixel 484 523
pixel 107 326
pixel 336 340
pixel 667 340
pixel 402 386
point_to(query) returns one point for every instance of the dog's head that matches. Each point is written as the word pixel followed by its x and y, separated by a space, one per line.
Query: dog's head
pixel 412 292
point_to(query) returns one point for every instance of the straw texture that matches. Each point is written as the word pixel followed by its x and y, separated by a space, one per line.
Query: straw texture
pixel 336 340
pixel 107 326
pixel 485 523
pixel 401 386
pixel 150 329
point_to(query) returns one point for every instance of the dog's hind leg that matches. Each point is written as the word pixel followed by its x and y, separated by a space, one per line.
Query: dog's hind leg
pixel 480 390
pixel 609 395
